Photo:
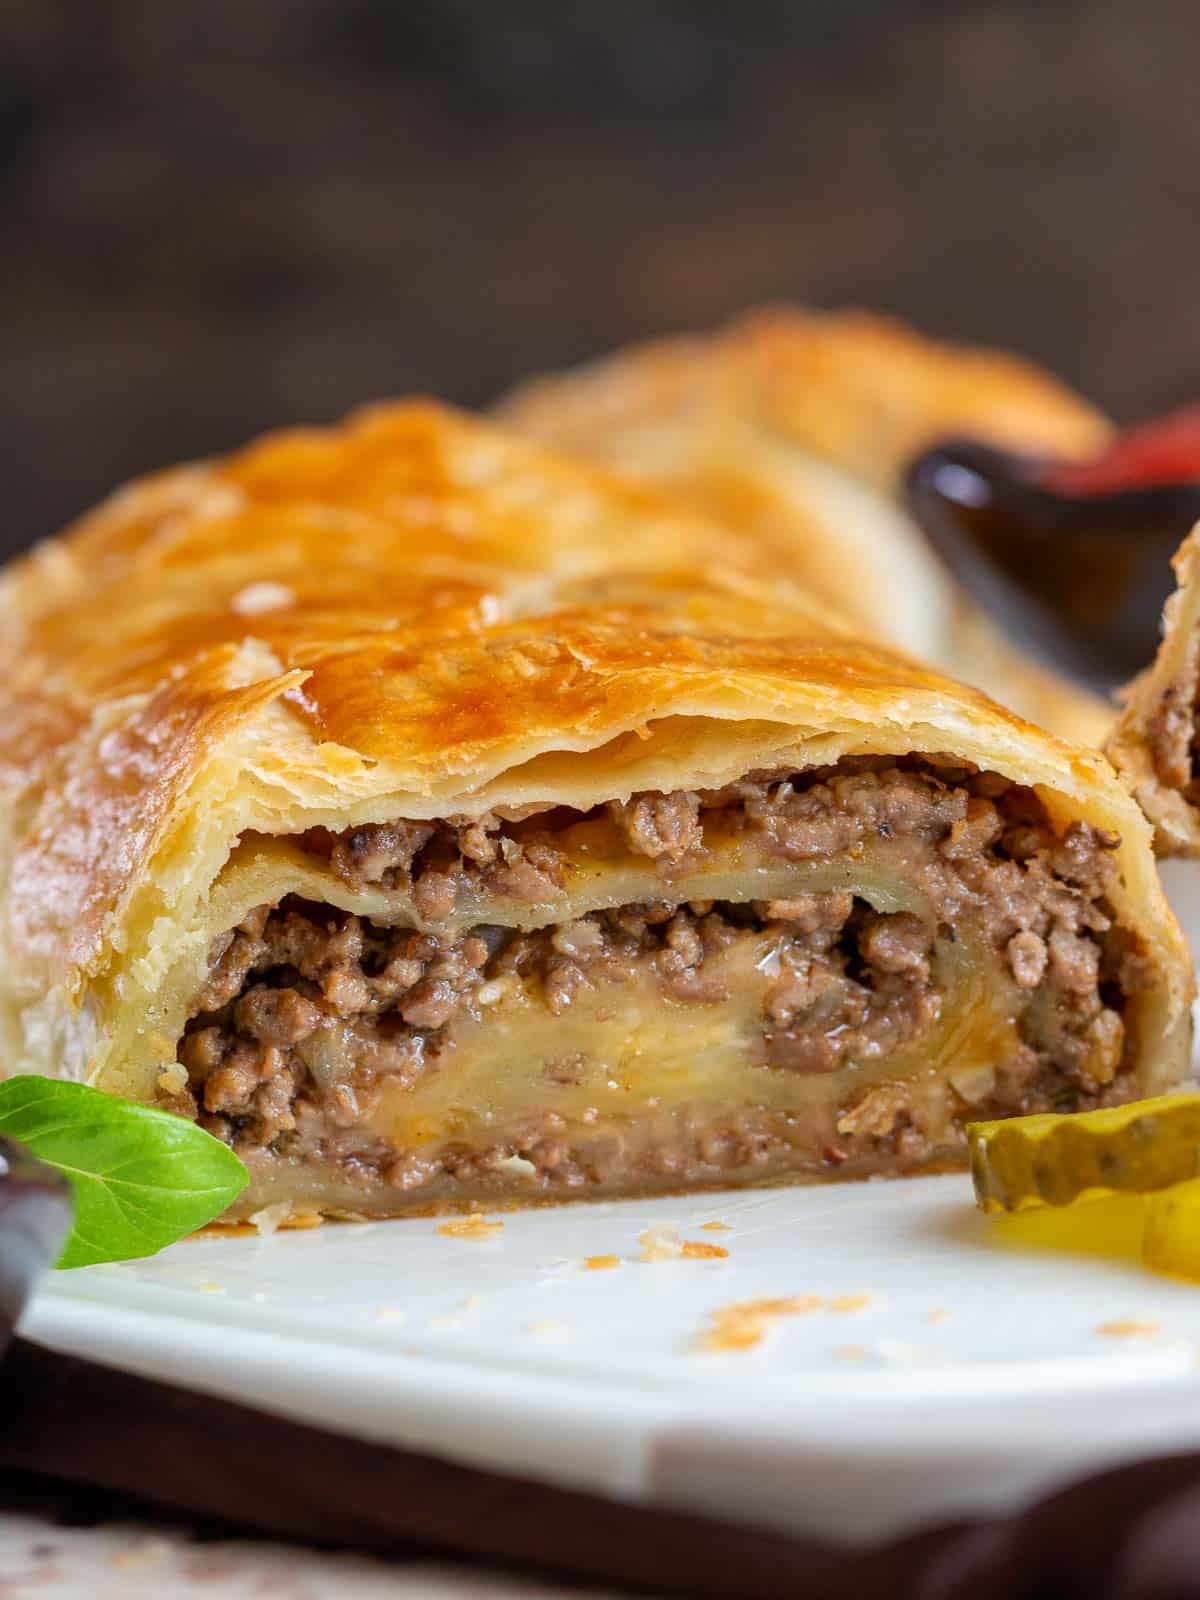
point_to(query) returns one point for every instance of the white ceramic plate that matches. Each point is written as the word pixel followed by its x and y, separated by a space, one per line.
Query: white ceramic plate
pixel 973 1375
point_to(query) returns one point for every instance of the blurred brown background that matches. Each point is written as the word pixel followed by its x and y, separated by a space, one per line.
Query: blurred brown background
pixel 220 215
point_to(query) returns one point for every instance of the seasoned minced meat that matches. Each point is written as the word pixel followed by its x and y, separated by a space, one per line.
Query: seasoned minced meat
pixel 371 854
pixel 972 818
pixel 307 1011
pixel 333 1000
pixel 663 826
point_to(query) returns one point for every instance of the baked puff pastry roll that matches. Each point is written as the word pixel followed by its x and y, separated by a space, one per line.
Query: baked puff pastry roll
pixel 441 823
pixel 799 428
pixel 1155 745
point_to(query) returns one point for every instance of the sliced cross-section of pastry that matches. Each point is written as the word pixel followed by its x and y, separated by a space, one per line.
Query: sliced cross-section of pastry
pixel 442 823
pixel 799 427
pixel 1155 745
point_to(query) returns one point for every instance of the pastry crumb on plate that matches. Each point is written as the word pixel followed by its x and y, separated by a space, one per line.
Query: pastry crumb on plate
pixel 661 1243
pixel 472 1227
pixel 1129 1328
pixel 850 1302
pixel 745 1324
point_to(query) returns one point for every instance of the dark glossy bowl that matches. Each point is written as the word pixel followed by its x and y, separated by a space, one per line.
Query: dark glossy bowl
pixel 1074 561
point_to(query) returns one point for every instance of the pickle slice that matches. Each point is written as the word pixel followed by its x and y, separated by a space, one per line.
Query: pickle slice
pixel 1052 1160
pixel 1109 1227
pixel 1171 1236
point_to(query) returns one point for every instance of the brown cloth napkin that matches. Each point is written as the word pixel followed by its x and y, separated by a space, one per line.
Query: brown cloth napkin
pixel 1129 1534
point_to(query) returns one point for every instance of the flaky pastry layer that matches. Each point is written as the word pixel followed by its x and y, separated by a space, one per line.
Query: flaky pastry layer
pixel 799 426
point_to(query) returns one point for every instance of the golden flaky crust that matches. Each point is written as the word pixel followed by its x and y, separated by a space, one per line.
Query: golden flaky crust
pixel 799 427
pixel 1153 743
pixel 414 614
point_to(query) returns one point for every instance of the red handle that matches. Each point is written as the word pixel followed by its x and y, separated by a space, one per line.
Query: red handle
pixel 1164 451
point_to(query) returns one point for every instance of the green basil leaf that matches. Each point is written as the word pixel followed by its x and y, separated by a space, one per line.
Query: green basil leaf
pixel 142 1178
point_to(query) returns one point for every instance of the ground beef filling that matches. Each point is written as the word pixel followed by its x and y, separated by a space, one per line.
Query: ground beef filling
pixel 1173 738
pixel 308 1013
pixel 1173 735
